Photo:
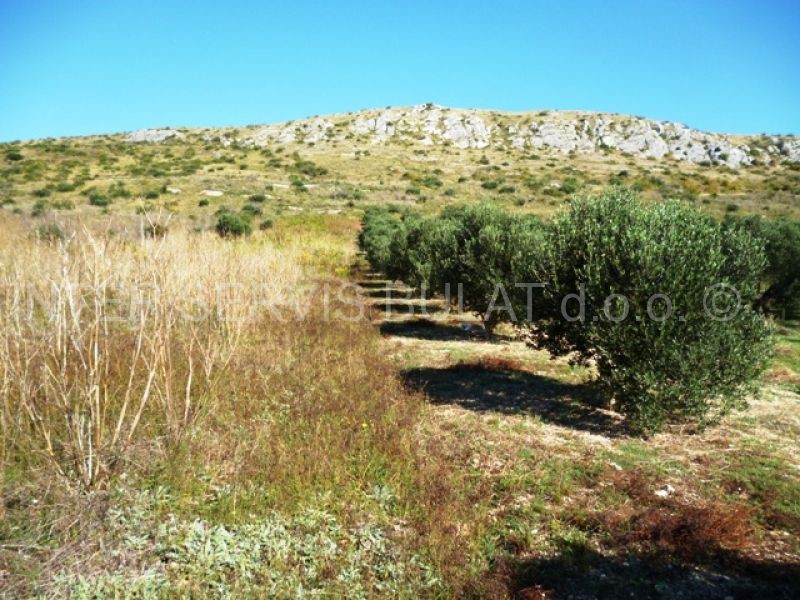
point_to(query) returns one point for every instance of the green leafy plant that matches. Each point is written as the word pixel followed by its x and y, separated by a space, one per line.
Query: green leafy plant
pixel 666 295
pixel 231 225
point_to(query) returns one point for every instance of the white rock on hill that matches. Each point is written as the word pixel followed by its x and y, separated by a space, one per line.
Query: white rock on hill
pixel 152 135
pixel 558 132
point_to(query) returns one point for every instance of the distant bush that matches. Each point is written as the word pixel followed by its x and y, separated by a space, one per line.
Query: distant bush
pixel 265 224
pixel 98 199
pixel 14 156
pixel 689 364
pixel 570 185
pixel 39 208
pixel 118 190
pixel 49 232
pixel 42 193
pixel 431 182
pixel 298 184
pixel 63 204
pixel 256 198
pixel 231 225
pixel 155 230
pixel 65 186
pixel 251 210
pixel 203 202
pixel 309 168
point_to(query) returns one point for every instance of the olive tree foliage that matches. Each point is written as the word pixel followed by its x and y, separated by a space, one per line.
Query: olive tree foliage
pixel 476 249
pixel 780 284
pixel 378 226
pixel 465 253
pixel 659 298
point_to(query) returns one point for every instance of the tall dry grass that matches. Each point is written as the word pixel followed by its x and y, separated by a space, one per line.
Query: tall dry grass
pixel 104 341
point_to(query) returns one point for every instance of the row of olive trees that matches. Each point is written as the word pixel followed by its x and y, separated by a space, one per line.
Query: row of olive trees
pixel 658 297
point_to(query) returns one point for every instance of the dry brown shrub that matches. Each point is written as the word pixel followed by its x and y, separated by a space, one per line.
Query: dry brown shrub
pixel 690 529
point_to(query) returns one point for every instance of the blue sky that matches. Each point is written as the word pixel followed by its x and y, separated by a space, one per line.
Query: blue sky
pixel 71 68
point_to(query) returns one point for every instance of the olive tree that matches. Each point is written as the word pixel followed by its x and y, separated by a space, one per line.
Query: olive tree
pixel 781 278
pixel 659 298
pixel 378 226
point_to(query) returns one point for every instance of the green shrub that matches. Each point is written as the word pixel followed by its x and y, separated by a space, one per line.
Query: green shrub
pixel 476 246
pixel 265 224
pixel 118 190
pixel 257 198
pixel 411 249
pixel 691 364
pixel 298 184
pixel 42 193
pixel 49 232
pixel 64 204
pixel 39 208
pixel 231 225
pixel 431 182
pixel 570 185
pixel 203 202
pixel 781 279
pixel 251 210
pixel 14 156
pixel 98 199
pixel 378 226
pixel 65 186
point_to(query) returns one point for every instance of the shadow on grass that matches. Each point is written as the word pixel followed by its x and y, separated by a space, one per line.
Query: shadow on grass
pixel 579 572
pixel 401 308
pixel 425 329
pixel 375 284
pixel 393 293
pixel 515 392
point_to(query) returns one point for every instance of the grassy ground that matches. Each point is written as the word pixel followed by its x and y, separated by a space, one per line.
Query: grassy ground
pixel 576 508
pixel 406 455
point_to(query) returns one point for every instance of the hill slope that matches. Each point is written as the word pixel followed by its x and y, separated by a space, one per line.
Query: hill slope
pixel 425 155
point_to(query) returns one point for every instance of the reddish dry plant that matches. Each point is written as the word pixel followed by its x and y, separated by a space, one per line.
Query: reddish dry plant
pixel 690 531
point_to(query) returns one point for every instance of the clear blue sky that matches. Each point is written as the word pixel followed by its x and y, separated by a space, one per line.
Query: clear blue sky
pixel 76 67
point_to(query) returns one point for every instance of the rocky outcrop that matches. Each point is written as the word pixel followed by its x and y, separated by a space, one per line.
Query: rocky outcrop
pixel 557 132
pixel 152 135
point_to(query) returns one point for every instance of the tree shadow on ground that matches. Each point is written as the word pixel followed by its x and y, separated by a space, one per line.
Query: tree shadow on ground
pixel 580 572
pixel 515 392
pixel 405 307
pixel 394 293
pixel 425 329
pixel 372 284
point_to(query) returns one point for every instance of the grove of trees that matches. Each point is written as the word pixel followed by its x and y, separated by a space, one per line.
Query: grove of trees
pixel 667 303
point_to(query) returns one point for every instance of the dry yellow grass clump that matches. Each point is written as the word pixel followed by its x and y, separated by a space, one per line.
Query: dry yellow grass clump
pixel 102 337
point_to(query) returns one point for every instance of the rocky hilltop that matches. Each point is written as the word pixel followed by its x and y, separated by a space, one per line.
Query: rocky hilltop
pixel 562 132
